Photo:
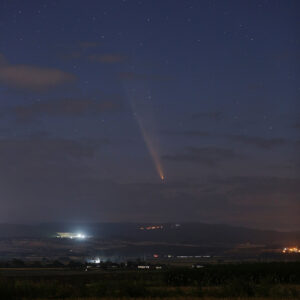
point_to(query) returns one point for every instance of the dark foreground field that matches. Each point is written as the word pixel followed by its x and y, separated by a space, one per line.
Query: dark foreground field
pixel 238 281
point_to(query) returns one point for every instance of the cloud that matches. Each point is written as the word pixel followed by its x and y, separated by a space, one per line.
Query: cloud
pixel 296 125
pixel 64 107
pixel 209 156
pixel 272 185
pixel 258 141
pixel 259 201
pixel 251 201
pixel 107 58
pixel 61 179
pixel 253 185
pixel 36 149
pixel 76 51
pixel 3 60
pixel 40 175
pixel 32 78
pixel 39 156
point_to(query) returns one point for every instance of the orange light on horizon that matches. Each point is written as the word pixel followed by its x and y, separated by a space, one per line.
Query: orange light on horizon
pixel 291 250
pixel 152 227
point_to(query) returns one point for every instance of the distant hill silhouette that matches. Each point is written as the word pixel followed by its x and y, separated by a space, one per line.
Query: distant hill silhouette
pixel 186 233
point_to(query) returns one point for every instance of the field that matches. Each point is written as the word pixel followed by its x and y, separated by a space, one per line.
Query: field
pixel 181 298
pixel 231 281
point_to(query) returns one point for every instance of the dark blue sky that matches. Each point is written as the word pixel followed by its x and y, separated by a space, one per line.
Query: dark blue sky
pixel 99 97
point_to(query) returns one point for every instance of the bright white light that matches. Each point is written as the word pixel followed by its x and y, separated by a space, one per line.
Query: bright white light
pixel 71 235
pixel 80 236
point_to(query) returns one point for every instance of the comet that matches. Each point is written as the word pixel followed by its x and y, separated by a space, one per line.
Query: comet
pixel 143 111
pixel 152 148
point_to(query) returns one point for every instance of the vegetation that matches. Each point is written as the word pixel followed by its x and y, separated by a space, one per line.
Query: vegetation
pixel 257 280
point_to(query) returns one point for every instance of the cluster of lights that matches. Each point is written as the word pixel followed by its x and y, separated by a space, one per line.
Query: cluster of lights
pixel 70 235
pixel 95 260
pixel 152 227
pixel 78 236
pixel 291 250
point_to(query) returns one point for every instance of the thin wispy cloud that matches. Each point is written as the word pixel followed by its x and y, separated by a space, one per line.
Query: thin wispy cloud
pixel 33 78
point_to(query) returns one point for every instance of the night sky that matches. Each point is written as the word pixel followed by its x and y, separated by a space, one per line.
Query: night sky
pixel 150 111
